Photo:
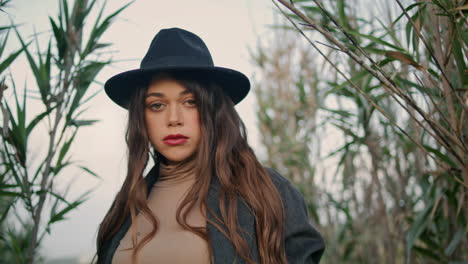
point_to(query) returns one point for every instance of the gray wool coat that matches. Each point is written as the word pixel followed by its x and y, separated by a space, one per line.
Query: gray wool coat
pixel 302 241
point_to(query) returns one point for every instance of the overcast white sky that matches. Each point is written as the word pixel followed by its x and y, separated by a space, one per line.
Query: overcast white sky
pixel 228 28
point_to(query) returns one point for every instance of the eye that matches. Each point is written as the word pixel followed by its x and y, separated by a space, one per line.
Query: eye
pixel 190 102
pixel 156 106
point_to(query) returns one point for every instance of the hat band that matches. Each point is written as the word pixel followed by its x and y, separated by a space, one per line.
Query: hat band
pixel 179 61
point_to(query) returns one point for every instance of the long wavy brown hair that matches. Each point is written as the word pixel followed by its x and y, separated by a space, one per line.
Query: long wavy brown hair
pixel 223 153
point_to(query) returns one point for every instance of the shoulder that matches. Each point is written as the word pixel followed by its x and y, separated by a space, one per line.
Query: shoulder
pixel 288 191
pixel 276 177
pixel 293 200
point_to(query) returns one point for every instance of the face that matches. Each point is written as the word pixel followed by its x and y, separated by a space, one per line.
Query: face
pixel 172 119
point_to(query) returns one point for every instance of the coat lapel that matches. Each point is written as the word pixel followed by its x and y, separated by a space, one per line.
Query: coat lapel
pixel 223 249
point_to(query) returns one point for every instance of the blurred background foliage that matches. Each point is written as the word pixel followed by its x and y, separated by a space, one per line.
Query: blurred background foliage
pixel 30 202
pixel 363 105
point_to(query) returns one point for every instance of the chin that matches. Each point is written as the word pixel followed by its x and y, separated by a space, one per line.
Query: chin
pixel 176 157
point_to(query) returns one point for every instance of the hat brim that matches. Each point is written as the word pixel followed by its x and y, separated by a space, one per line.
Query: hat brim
pixel 121 86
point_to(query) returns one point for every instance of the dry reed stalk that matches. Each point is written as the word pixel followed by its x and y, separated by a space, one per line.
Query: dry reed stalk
pixel 439 133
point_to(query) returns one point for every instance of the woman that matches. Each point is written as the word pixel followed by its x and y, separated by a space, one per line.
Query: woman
pixel 207 199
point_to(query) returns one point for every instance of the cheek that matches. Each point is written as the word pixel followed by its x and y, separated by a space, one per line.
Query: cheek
pixel 195 124
pixel 152 128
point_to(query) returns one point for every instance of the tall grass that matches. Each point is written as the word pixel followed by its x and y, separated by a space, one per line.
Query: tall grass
pixel 386 87
pixel 63 73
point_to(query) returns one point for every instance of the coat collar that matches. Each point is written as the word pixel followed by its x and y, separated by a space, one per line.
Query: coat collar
pixel 222 248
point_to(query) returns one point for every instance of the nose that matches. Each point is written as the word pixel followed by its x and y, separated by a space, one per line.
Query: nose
pixel 175 117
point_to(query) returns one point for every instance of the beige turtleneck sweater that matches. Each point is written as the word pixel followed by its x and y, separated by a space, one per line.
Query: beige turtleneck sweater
pixel 171 244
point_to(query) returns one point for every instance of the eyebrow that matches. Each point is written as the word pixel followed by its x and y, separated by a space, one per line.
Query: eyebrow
pixel 184 92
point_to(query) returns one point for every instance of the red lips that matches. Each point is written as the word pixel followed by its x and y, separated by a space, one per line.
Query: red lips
pixel 174 140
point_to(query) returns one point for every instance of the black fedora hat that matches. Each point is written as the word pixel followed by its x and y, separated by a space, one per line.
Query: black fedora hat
pixel 176 50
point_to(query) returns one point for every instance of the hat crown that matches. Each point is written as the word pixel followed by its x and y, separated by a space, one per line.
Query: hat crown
pixel 176 50
pixel 175 46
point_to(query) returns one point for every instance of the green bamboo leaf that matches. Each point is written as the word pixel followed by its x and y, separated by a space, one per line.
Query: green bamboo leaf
pixel 21 113
pixel 61 214
pixel 53 211
pixel 457 53
pixel 39 170
pixel 14 171
pixel 6 208
pixel 430 240
pixel 94 37
pixel 342 113
pixel 407 10
pixel 312 10
pixel 56 195
pixel 389 31
pixel 343 19
pixel 4 3
pixel 89 171
pixel 83 78
pixel 377 98
pixel 3 44
pixel 71 206
pixel 418 19
pixel 47 64
pixel 349 249
pixel 295 18
pixel 79 14
pixel 60 39
pixel 90 7
pixel 370 48
pixel 56 170
pixel 79 123
pixel 99 28
pixel 428 253
pixel 16 136
pixel 419 225
pixel 4 64
pixel 64 150
pixel 457 238
pixel 441 155
pixel 338 89
pixel 302 93
pixel 14 243
pixel 9 193
pixel 43 84
pixel 347 131
pixel 87 74
pixel 344 148
pixel 36 120
pixel 64 12
pixel 5 28
pixel 376 40
pixel 101 45
pixel 408 31
pixel 423 90
pixel 7 186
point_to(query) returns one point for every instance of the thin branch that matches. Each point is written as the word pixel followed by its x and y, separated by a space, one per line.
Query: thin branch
pixel 431 53
pixel 443 165
pixel 388 84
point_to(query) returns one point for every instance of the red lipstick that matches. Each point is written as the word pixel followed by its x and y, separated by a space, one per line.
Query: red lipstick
pixel 174 140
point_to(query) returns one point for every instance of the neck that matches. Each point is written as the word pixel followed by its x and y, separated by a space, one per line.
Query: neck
pixel 177 172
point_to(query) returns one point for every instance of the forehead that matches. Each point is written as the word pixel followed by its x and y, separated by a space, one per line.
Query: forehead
pixel 166 87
